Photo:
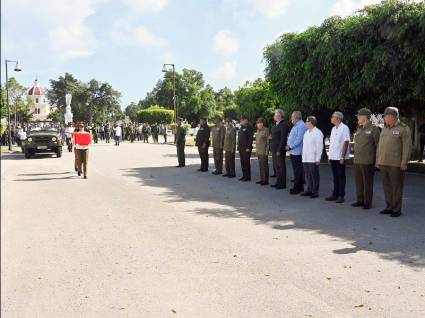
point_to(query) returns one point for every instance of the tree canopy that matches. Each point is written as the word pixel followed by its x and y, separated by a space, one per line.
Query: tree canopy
pixel 373 59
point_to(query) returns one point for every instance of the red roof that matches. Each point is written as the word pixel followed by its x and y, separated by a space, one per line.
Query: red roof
pixel 36 90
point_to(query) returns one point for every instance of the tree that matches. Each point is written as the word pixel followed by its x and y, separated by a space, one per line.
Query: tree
pixel 372 59
pixel 155 115
pixel 92 102
pixel 256 99
pixel 132 111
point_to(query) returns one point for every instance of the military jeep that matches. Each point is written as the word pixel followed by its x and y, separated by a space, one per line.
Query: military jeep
pixel 43 137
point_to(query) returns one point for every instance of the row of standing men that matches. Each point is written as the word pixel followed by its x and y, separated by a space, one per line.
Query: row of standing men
pixel 387 150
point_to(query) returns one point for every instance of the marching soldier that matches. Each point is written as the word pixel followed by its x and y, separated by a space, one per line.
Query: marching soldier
pixel 229 148
pixel 218 134
pixel 82 150
pixel 245 138
pixel 366 141
pixel 180 142
pixel 203 143
pixel 392 157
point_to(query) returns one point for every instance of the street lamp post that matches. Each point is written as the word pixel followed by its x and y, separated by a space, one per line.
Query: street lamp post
pixel 16 69
pixel 164 69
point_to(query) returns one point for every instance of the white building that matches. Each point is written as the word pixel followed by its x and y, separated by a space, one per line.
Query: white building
pixel 40 109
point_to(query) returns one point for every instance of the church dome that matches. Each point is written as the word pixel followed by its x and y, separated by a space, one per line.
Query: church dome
pixel 36 90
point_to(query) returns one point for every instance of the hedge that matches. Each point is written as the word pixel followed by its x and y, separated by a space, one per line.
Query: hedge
pixel 155 114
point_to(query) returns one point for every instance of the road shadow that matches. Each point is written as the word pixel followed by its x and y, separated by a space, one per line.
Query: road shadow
pixel 401 239
pixel 46 179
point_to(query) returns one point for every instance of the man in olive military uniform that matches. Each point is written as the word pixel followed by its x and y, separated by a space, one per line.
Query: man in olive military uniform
pixel 203 143
pixel 393 154
pixel 180 142
pixel 245 139
pixel 366 141
pixel 229 148
pixel 218 134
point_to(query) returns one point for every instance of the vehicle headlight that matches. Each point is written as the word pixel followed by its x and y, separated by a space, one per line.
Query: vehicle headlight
pixel 29 139
pixel 54 138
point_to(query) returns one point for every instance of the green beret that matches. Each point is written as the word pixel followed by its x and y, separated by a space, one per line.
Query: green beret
pixel 391 111
pixel 364 112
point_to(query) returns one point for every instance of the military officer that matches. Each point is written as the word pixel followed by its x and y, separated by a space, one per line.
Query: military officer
pixel 180 142
pixel 392 157
pixel 218 134
pixel 229 148
pixel 245 138
pixel 203 143
pixel 262 147
pixel 366 141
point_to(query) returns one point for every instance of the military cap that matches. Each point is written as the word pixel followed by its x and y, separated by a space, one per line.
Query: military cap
pixel 364 112
pixel 391 111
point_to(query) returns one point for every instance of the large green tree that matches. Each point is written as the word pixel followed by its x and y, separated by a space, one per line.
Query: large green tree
pixel 92 102
pixel 374 58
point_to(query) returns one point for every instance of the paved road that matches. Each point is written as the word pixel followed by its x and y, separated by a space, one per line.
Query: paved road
pixel 140 238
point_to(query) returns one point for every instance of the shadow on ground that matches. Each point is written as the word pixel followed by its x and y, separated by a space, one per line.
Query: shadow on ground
pixel 401 239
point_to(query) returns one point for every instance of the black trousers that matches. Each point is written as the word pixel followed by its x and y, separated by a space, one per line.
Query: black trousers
pixel 203 154
pixel 312 177
pixel 297 166
pixel 181 155
pixel 338 172
pixel 280 166
pixel 230 163
pixel 245 157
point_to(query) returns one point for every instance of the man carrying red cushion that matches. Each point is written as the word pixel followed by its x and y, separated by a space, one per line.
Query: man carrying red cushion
pixel 82 140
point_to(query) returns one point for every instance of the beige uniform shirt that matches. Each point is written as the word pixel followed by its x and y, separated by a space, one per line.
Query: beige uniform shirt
pixel 230 139
pixel 366 140
pixel 218 133
pixel 395 144
pixel 262 141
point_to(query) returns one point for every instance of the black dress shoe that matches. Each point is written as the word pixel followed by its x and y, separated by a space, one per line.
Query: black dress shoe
pixel 357 204
pixel 314 196
pixel 386 211
pixel 85 177
pixel 259 182
pixel 230 176
pixel 79 174
pixel 280 187
pixel 306 194
pixel 331 198
pixel 215 172
pixel 273 176
pixel 242 179
pixel 200 170
pixel 367 207
pixel 395 214
pixel 274 185
pixel 226 175
pixel 264 183
pixel 247 179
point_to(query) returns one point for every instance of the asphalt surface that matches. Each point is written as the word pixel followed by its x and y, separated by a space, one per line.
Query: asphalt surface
pixel 141 238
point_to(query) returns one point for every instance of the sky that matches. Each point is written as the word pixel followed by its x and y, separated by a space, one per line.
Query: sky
pixel 126 42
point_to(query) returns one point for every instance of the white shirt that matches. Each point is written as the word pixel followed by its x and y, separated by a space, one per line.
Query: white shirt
pixel 312 145
pixel 338 137
pixel 118 131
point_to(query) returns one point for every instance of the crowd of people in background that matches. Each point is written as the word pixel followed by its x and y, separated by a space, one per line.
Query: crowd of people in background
pixel 387 149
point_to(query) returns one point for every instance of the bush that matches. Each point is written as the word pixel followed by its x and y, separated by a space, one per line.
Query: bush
pixel 3 126
pixel 155 114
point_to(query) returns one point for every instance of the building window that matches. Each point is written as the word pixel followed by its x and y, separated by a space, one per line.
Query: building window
pixel 36 100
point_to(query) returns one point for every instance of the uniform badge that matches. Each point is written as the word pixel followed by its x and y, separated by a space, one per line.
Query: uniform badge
pixel 396 132
pixel 368 132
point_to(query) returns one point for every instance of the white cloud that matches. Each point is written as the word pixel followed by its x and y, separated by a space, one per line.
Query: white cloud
pixel 226 43
pixel 226 72
pixel 57 28
pixel 124 34
pixel 168 57
pixel 270 8
pixel 144 6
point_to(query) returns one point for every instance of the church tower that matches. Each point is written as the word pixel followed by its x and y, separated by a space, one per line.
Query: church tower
pixel 40 108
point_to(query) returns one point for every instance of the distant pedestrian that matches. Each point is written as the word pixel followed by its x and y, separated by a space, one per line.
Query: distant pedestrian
pixel 155 133
pixel 230 149
pixel 203 143
pixel 107 133
pixel 395 144
pixel 245 140
pixel 118 134
pixel 279 138
pixel 366 141
pixel 163 132
pixel 262 149
pixel 339 152
pixel 295 146
pixel 311 156
pixel 180 142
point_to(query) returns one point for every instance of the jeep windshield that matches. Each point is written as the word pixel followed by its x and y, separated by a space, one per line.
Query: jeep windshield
pixel 43 126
